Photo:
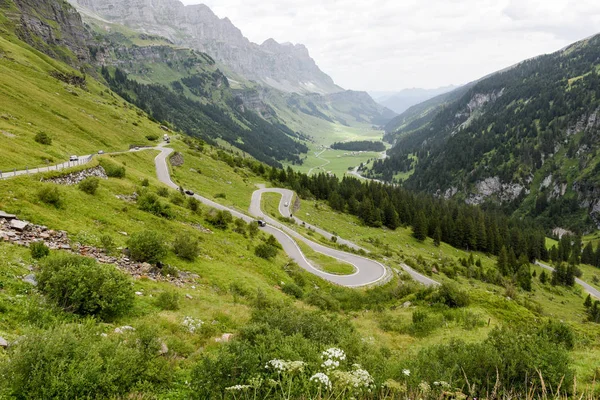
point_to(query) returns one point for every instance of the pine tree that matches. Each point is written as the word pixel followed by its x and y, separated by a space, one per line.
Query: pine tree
pixel 502 263
pixel 588 301
pixel 524 277
pixel 437 236
pixel 420 227
pixel 543 277
pixel 390 216
pixel 588 256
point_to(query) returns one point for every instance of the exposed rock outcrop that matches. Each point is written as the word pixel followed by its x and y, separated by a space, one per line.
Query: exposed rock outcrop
pixel 492 186
pixel 75 178
pixel 51 24
pixel 286 67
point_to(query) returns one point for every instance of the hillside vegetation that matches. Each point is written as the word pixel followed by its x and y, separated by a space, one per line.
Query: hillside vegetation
pixel 525 137
pixel 122 287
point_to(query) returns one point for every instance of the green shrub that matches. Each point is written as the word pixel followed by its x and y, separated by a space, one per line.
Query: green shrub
pixel 186 247
pixel 323 301
pixel 43 138
pixel 82 286
pixel 152 137
pixel 220 196
pixel 50 195
pixel 162 191
pixel 177 198
pixel 193 204
pixel 89 185
pixel 293 290
pixel 146 246
pixel 76 362
pixel 150 202
pixel 509 356
pixel 452 296
pixel 145 182
pixel 39 250
pixel 219 218
pixel 265 251
pixel 108 244
pixel 168 300
pixel 112 170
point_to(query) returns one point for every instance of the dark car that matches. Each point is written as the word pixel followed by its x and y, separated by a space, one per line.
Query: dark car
pixel 261 223
pixel 189 192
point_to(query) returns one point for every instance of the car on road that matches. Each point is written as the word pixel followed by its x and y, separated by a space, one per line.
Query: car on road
pixel 73 158
pixel 286 204
pixel 261 223
pixel 189 192
pixel 100 152
pixel 136 148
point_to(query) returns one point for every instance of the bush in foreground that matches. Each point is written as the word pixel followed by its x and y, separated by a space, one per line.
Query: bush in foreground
pixel 146 246
pixel 76 362
pixel 82 286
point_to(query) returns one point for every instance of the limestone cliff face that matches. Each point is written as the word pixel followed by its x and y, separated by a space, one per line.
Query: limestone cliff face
pixel 52 26
pixel 286 67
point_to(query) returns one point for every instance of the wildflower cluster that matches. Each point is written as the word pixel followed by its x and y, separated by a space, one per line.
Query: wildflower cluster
pixel 281 366
pixel 332 358
pixel 192 324
pixel 237 388
pixel 321 379
pixel 443 385
pixel 357 379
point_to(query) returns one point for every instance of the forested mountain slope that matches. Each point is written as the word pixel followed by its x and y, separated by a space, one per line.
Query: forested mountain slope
pixel 526 137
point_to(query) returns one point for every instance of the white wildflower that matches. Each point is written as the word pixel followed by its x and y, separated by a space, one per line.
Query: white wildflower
pixel 238 388
pixel 406 372
pixel 358 379
pixel 334 354
pixel 192 324
pixel 285 366
pixel 276 365
pixel 321 379
pixel 424 386
pixel 330 364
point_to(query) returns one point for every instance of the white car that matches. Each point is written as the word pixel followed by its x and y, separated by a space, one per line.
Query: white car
pixel 286 204
pixel 100 152
pixel 73 158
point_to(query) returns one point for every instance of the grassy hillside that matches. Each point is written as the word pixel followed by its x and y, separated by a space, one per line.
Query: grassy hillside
pixel 78 120
pixel 229 284
pixel 192 303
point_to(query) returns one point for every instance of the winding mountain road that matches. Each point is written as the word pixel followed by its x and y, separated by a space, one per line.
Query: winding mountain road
pixel 367 271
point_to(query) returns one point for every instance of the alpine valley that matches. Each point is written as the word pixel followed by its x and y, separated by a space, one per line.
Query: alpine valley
pixel 185 214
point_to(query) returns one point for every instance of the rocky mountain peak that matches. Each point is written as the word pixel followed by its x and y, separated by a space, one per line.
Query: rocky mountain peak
pixel 285 67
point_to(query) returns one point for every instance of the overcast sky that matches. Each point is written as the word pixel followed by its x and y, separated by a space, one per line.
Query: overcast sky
pixel 395 44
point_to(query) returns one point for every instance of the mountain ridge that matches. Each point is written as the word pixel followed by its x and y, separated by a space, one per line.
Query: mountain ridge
pixel 287 68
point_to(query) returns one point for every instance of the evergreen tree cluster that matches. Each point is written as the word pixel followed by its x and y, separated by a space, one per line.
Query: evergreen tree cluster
pixel 267 142
pixel 524 117
pixel 458 224
pixel 564 274
pixel 569 250
pixel 518 269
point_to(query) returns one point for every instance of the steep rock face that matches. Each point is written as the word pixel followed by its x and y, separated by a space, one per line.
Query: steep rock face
pixel 285 66
pixel 52 26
